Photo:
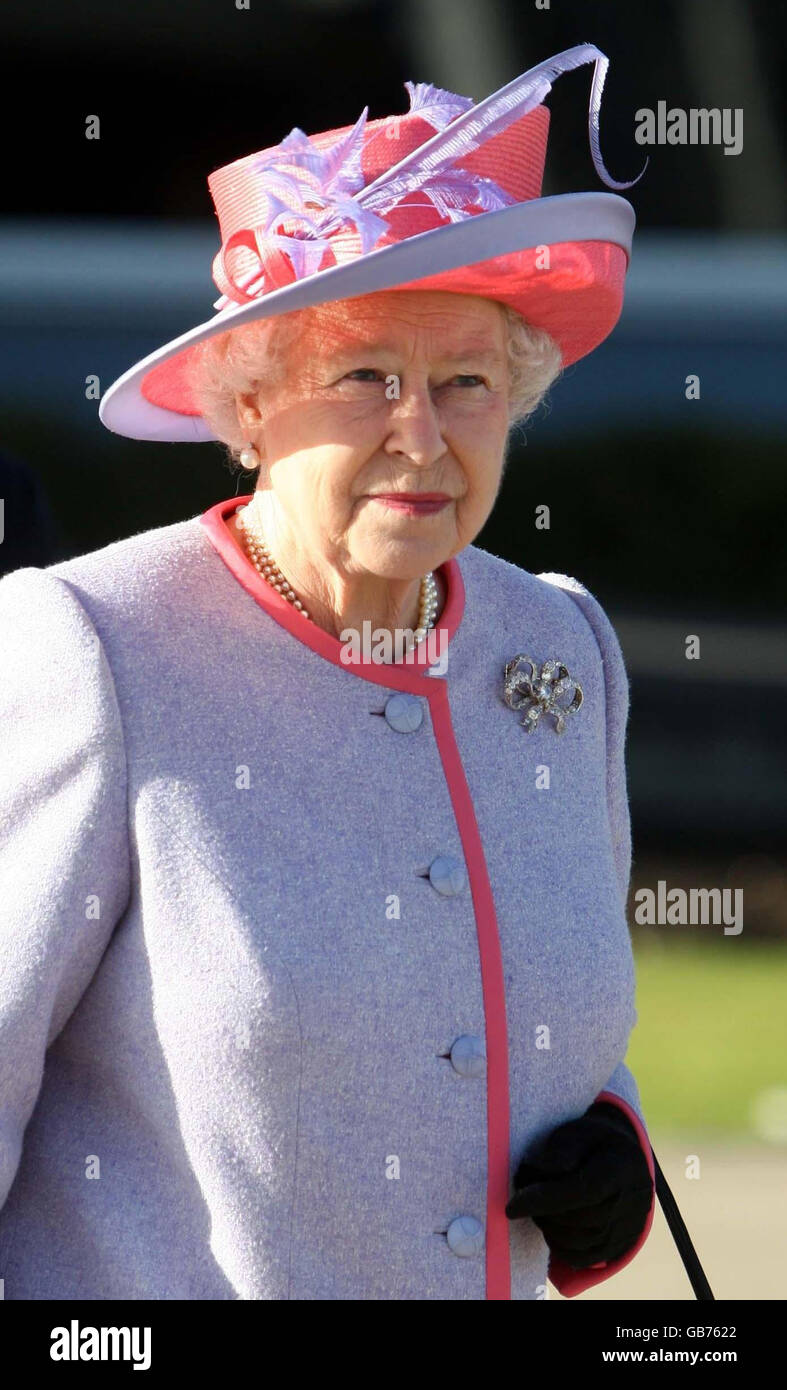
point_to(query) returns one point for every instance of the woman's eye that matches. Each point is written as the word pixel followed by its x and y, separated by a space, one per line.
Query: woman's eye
pixel 373 374
pixel 367 373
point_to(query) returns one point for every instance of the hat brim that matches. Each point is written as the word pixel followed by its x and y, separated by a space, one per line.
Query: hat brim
pixel 575 293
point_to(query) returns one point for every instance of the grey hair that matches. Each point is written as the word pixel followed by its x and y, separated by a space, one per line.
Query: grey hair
pixel 243 360
pixel 534 364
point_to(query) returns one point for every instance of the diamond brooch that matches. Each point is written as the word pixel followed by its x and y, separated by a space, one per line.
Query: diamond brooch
pixel 540 692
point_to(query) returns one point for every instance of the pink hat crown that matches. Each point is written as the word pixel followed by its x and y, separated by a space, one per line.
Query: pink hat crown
pixel 288 212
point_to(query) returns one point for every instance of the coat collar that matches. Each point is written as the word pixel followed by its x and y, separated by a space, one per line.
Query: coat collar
pixel 409 675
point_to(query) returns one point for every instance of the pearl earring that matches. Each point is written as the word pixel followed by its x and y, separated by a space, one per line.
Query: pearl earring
pixel 249 458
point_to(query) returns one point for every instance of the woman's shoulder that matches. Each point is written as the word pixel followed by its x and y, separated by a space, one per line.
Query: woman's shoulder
pixel 136 601
pixel 558 600
pixel 117 579
pixel 483 568
pixel 147 558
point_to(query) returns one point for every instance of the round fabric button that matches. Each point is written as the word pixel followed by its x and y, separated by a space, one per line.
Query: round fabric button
pixel 468 1056
pixel 466 1236
pixel 404 713
pixel 447 875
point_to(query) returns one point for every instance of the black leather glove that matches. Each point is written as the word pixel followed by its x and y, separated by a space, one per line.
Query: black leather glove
pixel 587 1186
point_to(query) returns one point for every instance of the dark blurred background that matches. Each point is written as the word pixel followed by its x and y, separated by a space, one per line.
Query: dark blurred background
pixel 672 511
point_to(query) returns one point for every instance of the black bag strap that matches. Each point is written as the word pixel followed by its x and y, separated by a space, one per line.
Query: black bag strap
pixel 680 1235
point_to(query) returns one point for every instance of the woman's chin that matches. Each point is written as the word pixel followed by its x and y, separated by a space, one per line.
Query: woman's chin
pixel 405 552
pixel 401 565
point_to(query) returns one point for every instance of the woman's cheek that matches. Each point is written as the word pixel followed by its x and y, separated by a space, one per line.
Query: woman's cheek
pixel 483 425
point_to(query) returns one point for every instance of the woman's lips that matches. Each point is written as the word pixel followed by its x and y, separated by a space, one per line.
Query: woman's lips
pixel 412 503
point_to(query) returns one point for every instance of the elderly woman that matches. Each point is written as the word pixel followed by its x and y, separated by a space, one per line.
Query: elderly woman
pixel 316 979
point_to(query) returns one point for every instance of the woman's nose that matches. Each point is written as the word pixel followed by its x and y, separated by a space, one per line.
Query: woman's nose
pixel 415 428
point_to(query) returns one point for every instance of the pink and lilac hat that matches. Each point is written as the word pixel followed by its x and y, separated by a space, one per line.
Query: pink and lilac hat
pixel 446 196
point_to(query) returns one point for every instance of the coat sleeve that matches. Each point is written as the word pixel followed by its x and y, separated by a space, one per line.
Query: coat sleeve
pixel 64 857
pixel 621 1088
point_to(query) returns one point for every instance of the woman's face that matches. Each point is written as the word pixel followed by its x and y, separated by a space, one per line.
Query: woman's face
pixel 397 392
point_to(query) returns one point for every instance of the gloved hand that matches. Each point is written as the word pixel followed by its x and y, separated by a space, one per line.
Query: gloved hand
pixel 587 1186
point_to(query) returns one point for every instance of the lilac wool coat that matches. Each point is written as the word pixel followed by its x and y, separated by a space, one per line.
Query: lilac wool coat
pixel 297 958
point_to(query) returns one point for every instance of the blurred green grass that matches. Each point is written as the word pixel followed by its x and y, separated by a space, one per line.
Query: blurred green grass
pixel 711 1035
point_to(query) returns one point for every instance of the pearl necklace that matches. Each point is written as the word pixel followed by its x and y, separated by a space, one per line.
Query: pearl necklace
pixel 262 560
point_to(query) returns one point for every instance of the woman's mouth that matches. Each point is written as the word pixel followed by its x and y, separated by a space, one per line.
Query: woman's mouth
pixel 412 503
